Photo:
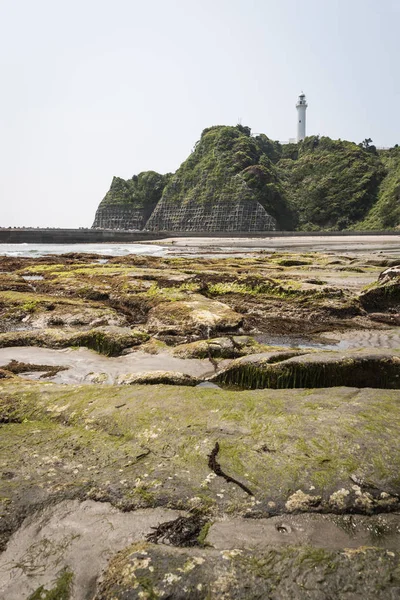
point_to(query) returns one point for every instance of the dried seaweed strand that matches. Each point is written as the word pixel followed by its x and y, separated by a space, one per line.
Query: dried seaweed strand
pixel 216 467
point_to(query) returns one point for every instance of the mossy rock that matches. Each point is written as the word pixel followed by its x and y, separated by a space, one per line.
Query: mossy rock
pixel 379 369
pixel 222 347
pixel 76 317
pixel 292 262
pixel 383 294
pixel 198 316
pixel 110 341
pixel 157 377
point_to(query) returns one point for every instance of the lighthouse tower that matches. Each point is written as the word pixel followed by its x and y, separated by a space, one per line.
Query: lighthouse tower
pixel 301 117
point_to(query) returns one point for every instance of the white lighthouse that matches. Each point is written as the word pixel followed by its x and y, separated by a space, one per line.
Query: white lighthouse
pixel 301 117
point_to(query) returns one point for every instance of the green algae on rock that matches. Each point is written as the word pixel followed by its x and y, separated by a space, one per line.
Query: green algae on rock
pixel 196 315
pixel 144 445
pixel 157 377
pixel 384 293
pixel 378 369
pixel 222 347
pixel 150 571
pixel 303 453
pixel 110 341
pixel 61 590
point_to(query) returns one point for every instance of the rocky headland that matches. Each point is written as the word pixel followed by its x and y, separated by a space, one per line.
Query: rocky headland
pixel 233 181
pixel 200 427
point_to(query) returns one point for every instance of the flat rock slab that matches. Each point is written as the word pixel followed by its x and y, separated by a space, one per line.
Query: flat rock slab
pixel 295 573
pixel 330 532
pixel 297 451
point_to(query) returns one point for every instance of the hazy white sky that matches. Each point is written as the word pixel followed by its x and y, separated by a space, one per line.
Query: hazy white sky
pixel 96 88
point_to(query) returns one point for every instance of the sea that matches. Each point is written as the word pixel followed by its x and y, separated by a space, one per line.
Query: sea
pixel 36 250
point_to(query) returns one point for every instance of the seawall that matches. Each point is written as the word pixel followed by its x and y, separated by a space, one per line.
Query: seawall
pixel 93 236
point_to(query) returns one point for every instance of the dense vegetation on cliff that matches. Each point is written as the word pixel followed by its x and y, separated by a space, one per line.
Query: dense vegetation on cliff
pixel 385 213
pixel 129 203
pixel 235 181
pixel 331 184
pixel 227 165
pixel 143 190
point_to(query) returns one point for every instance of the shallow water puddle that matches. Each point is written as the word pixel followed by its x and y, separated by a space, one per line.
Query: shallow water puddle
pixel 79 536
pixel 33 277
pixel 345 340
pixel 292 341
pixel 86 366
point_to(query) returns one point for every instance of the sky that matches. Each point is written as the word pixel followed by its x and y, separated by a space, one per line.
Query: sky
pixel 96 88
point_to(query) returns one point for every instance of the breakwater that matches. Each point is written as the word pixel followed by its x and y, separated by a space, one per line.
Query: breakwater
pixel 90 236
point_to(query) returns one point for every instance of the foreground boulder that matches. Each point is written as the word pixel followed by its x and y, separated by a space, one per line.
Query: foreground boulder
pixel 385 293
pixel 223 347
pixel 328 450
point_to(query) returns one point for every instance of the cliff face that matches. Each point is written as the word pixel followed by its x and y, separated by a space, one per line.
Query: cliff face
pixel 129 203
pixel 235 182
pixel 228 183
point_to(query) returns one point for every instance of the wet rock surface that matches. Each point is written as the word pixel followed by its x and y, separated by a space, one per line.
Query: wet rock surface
pixel 322 465
pixel 379 369
pixel 111 488
pixel 155 377
pixel 60 537
pixel 298 573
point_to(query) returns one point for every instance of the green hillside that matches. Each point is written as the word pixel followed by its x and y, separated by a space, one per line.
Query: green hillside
pixel 385 213
pixel 143 190
pixel 235 181
pixel 331 184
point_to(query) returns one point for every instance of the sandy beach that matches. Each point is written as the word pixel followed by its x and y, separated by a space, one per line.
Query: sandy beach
pixel 348 243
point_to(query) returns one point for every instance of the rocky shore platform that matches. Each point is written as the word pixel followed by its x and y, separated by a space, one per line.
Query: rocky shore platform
pixel 200 427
